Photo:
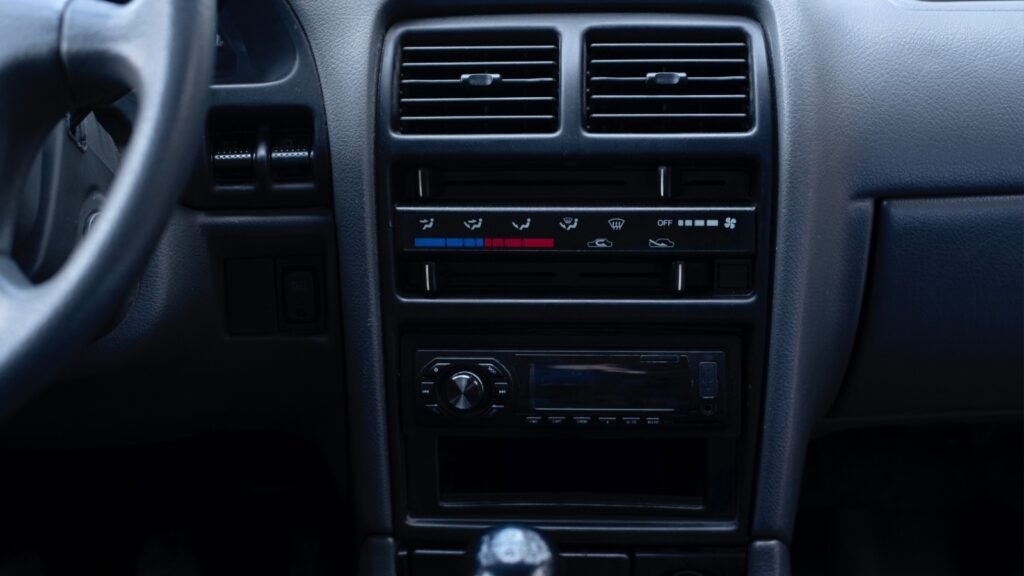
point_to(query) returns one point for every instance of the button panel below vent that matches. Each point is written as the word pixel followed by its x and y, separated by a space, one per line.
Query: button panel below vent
pixel 478 83
pixel 668 80
pixel 261 158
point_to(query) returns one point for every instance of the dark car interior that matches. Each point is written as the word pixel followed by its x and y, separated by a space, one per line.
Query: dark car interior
pixel 501 287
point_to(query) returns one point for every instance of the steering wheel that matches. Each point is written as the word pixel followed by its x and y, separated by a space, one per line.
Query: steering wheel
pixel 65 56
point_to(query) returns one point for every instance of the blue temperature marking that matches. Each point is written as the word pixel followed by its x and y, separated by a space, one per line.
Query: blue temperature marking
pixel 428 242
pixel 448 242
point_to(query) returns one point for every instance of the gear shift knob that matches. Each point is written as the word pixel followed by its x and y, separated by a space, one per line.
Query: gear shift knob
pixel 512 550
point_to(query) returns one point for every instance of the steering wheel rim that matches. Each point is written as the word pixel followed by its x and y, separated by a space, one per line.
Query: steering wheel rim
pixel 63 55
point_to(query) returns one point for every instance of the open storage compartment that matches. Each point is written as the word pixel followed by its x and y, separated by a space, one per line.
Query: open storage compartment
pixel 573 472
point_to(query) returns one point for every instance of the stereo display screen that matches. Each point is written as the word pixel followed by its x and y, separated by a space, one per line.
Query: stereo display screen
pixel 608 382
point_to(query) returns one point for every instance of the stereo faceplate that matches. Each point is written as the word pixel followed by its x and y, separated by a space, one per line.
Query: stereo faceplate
pixel 577 388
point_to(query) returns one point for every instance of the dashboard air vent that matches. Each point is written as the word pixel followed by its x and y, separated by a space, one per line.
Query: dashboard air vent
pixel 480 82
pixel 679 80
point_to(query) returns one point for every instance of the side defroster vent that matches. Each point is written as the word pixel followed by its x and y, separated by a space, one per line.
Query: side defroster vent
pixel 680 80
pixel 480 82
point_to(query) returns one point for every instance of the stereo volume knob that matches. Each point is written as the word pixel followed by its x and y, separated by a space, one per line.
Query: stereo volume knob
pixel 464 391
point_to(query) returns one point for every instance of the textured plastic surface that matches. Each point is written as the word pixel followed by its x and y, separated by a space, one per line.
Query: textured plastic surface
pixel 768 558
pixel 504 314
pixel 863 111
pixel 942 331
pixel 874 100
pixel 345 41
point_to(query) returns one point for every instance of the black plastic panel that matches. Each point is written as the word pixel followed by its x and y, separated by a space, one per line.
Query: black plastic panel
pixel 626 392
pixel 943 328
pixel 429 562
pixel 704 497
pixel 490 82
pixel 845 138
pixel 264 158
pixel 596 473
pixel 254 43
pixel 575 229
pixel 551 298
pixel 266 140
pixel 579 229
pixel 572 139
pixel 875 99
pixel 650 80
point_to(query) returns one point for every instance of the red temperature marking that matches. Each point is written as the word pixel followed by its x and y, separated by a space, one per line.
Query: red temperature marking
pixel 519 243
pixel 538 242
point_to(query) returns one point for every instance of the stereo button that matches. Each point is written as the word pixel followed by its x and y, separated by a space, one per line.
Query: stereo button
pixel 707 380
pixel 435 368
pixel 500 391
pixel 492 370
pixel 426 391
pixel 653 421
pixel 464 392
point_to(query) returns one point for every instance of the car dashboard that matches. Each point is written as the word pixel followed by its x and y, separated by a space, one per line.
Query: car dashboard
pixel 614 271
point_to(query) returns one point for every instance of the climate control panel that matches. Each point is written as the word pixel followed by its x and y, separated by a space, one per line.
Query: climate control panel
pixel 706 229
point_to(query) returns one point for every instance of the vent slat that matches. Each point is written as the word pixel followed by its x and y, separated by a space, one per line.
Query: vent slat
pixel 668 80
pixel 487 64
pixel 667 116
pixel 658 61
pixel 669 97
pixel 478 82
pixel 468 118
pixel 451 100
pixel 617 45
pixel 410 49
pixel 457 81
pixel 643 79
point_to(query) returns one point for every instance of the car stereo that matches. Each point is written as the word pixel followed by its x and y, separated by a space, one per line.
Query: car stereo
pixel 580 388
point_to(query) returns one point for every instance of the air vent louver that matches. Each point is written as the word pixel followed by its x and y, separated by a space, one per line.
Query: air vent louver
pixel 478 83
pixel 680 80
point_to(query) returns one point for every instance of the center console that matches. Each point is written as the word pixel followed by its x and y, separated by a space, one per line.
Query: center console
pixel 520 423
pixel 575 231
